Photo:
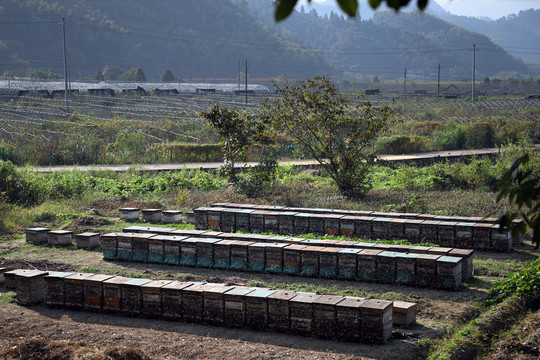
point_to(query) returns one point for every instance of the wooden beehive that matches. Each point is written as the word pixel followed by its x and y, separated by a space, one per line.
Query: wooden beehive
pixel 310 260
pixel 31 287
pixel 132 296
pixel 406 268
pixel 2 278
pixel 256 257
pixel 439 250
pixel 172 216
pixel 292 258
pixel 214 218
pixel 140 247
pixel 380 227
pixel 60 237
pixel 286 223
pixel 446 232
pixel 125 246
pixel 332 224
pixel 385 271
pixel 239 254
pixel 214 304
pixel 449 272
pixel 129 213
pixel 222 254
pixel 112 293
pixel 279 317
pixel 37 235
pixel 205 252
pixel 501 239
pixel 242 219
pixel 301 223
pixel 396 228
pixel 347 263
pixel 301 313
pixel 151 298
pixel 367 264
pixel 156 249
pixel 404 313
pixel 411 230
pixel 74 286
pixel 316 224
pixel 93 291
pixel 151 215
pixel 349 319
pixel 346 226
pixel 10 278
pixel 235 306
pixel 172 249
pixel 464 235
pixel 467 269
pixel 171 299
pixel 481 236
pixel 87 240
pixel 376 321
pixel 201 218
pixel 188 251
pixel 274 257
pixel 428 230
pixel 363 226
pixel 257 308
pixel 193 302
pixel 56 290
pixel 228 219
pixel 325 315
pixel 328 262
pixel 426 270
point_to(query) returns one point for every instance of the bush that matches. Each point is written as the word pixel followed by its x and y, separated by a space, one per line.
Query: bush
pixel 254 181
pixel 453 139
pixel 401 144
pixel 524 283
pixel 15 188
pixel 480 135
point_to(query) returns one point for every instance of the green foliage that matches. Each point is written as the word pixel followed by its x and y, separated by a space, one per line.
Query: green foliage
pixel 112 72
pixel 99 76
pixel 524 283
pixel 254 181
pixel 16 187
pixel 453 139
pixel 133 74
pixel 167 76
pixel 336 131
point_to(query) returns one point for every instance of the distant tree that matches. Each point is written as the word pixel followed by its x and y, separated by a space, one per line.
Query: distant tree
pixel 133 74
pixel 375 79
pixel 37 74
pixel 487 81
pixel 99 76
pixel 8 75
pixel 167 76
pixel 112 72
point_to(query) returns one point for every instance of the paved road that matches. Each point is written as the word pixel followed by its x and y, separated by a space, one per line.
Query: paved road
pixel 420 157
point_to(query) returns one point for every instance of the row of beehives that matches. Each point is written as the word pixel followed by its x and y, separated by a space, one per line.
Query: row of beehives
pixel 40 235
pixel 151 215
pixel 329 316
pixel 427 270
pixel 466 235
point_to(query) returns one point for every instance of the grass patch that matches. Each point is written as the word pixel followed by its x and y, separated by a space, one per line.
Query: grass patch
pixel 7 297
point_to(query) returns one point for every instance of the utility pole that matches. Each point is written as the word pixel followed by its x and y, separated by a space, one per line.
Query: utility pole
pixel 238 76
pixel 439 80
pixel 473 72
pixel 405 82
pixel 65 64
pixel 246 83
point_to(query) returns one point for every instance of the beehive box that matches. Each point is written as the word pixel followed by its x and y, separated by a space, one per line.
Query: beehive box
pixel 60 237
pixel 380 227
pixel 125 246
pixel 228 219
pixel 257 308
pixel 367 264
pixel 279 317
pixel 328 262
pixel 151 298
pixel 347 263
pixel 172 216
pixel 346 226
pixel 56 290
pixel 256 257
pixel 325 315
pixel 205 252
pixel 411 230
pixel 428 230
pixel 171 299
pixel 74 286
pixel 87 240
pixel 376 321
pixel 406 268
pixel 173 250
pixel 467 268
pixel 301 223
pixel 292 259
pixel 426 270
pixel 316 224
pixel 140 247
pixel 188 251
pixel 242 219
pixel 385 271
pixel 129 213
pixel 10 278
pixel 332 224
pixel 93 291
pixel 439 250
pixel 214 218
pixel 396 228
pixel 235 306
pixel 112 293
pixel 132 296
pixel 31 287
pixel 156 248
pixel 464 235
pixel 446 232
pixel 2 278
pixel 301 312
pixel 222 254
pixel 193 302
pixel 271 222
pixel 310 260
pixel 404 313
pixel 256 221
pixel 151 215
pixel 37 235
pixel 363 226
pixel 349 319
pixel 214 304
pixel 239 254
pixel 481 236
pixel 274 257
pixel 449 270
pixel 286 222
pixel 201 218
pixel 501 240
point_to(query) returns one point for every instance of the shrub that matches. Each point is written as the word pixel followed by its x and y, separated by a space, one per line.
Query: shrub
pixel 453 139
pixel 480 135
pixel 254 181
pixel 401 144
pixel 524 283
pixel 15 188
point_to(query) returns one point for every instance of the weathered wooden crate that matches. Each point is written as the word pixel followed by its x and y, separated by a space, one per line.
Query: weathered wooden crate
pixel 279 317
pixel 132 296
pixel 411 230
pixel 239 254
pixel 235 306
pixel 60 237
pixel 137 229
pixel 446 232
pixel 37 235
pixel 201 218
pixel 385 272
pixel 380 227
pixel 214 304
pixel 363 226
pixel 56 290
pixel 214 218
pixel 193 302
pixel 310 260
pixel 129 213
pixel 301 312
pixel 256 221
pixel 346 226
pixel 172 249
pixel 2 278
pixel 10 278
pixel 257 308
pixel 367 264
pixel 242 219
pixel 349 319
pixel 426 270
pixel 228 219
pixel 205 252
pixel 449 271
pixel 439 250
pixel 501 239
pixel 152 215
pixel 332 223
pixel 404 313
pixel 271 222
pixel 481 236
pixel 93 291
pixel 256 257
pixel 74 287
pixel 151 298
pixel 286 222
pixel 112 293
pixel 328 262
pixel 396 228
pixel 172 216
pixel 464 235
pixel 186 233
pixel 428 230
pixel 188 251
pixel 171 299
pixel 301 223
pixel 347 263
pixel 140 247
pixel 316 224
pixel 376 321
pixel 125 246
pixel 467 268
pixel 156 248
pixel 292 258
pixel 325 315
pixel 406 268
pixel 222 254
pixel 31 287
pixel 87 240
pixel 274 257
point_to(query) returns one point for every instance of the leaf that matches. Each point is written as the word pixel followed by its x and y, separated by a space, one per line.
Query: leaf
pixel 374 3
pixel 284 9
pixel 350 7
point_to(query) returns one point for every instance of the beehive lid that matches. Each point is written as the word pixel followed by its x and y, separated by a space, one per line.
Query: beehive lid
pixel 242 243
pixel 312 242
pixel 382 219
pixel 156 284
pixel 257 237
pixel 225 242
pixel 211 234
pixel 295 247
pixel 428 257
pixel 461 252
pixel 465 224
pixel 350 217
pixel 218 289
pixel 177 285
pixel 475 219
pixel 36 229
pixel 60 232
pixel 227 236
pixel 389 254
pixel 413 221
pixel 313 248
pixel 129 209
pixel 351 302
pixel 110 235
pixel 300 214
pixel 483 225
pixel 398 221
pixel 295 240
pixel 369 252
pixel 276 245
pixel 198 288
pixel 209 240
pixel 136 282
pixel 362 244
pixel 283 295
pixel 383 214
pixel 431 222
pixel 404 307
pixel 376 306
pixel 135 228
pixel 187 232
pixel 259 212
pixel 278 238
pixel 443 218
pixel 259 244
pixel 331 250
pixel 328 299
pixel 142 236
pixel 79 276
pixel 261 293
pixel 172 212
pixel 439 250
pixel 407 255
pixel 58 275
pixel 87 234
pixel 30 274
pixel 288 213
pixel 449 259
pixel 116 280
pixel 240 291
pixel 245 211
pixel 349 251
pixel 97 278
pixel 305 298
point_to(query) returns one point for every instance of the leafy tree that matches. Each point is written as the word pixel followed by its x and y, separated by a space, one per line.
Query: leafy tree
pixel 336 131
pixel 99 76
pixel 112 72
pixel 8 75
pixel 522 188
pixel 167 76
pixel 350 7
pixel 133 74
pixel 37 74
